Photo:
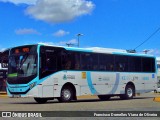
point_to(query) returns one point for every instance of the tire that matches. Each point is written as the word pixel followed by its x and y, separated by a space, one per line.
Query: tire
pixel 66 95
pixel 155 91
pixel 129 92
pixel 104 97
pixel 41 100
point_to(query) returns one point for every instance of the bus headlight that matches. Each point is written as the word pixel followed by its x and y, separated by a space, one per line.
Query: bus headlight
pixel 32 85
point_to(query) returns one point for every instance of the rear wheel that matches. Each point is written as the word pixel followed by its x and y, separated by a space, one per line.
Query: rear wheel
pixel 129 92
pixel 104 97
pixel 66 95
pixel 155 91
pixel 41 100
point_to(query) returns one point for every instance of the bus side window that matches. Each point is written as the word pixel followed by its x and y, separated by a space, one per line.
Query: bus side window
pixel 77 65
pixel 68 64
pixel 121 63
pixel 48 61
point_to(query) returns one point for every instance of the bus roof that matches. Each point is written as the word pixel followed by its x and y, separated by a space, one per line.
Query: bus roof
pixel 95 50
pixel 101 50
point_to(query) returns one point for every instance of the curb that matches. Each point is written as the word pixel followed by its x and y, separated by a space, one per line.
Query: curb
pixel 156 99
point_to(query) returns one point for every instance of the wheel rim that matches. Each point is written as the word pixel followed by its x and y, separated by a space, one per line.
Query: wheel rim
pixel 129 92
pixel 66 94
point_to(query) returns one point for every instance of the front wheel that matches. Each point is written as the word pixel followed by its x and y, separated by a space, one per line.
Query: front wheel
pixel 66 95
pixel 129 92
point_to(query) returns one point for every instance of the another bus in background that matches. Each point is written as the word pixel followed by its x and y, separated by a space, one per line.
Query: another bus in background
pixel 3 69
pixel 158 71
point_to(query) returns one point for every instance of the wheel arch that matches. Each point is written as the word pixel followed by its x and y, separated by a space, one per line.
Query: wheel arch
pixel 70 85
pixel 133 85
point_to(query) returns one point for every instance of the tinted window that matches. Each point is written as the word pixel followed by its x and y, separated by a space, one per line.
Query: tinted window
pixel 121 63
pixel 148 64
pixel 135 64
pixel 89 61
pixel 106 62
pixel 70 60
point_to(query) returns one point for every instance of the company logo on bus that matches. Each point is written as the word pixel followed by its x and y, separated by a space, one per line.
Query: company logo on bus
pixel 65 77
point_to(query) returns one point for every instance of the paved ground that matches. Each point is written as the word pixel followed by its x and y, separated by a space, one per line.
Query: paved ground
pixel 85 103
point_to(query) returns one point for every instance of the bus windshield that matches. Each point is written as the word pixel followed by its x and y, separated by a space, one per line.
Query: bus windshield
pixel 22 65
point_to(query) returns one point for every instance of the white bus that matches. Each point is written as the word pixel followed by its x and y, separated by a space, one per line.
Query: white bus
pixel 158 75
pixel 46 72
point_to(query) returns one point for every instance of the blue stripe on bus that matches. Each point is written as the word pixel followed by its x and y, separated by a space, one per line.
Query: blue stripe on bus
pixel 90 84
pixel 94 91
pixel 114 89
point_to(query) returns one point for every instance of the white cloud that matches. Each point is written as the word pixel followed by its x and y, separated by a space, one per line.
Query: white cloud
pixel 58 11
pixel 2 49
pixel 155 52
pixel 47 43
pixel 29 2
pixel 72 42
pixel 60 33
pixel 26 31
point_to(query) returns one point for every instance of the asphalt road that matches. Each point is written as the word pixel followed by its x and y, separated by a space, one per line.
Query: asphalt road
pixel 143 102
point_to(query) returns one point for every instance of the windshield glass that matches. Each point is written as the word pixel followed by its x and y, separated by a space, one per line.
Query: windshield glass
pixel 22 65
pixel 22 62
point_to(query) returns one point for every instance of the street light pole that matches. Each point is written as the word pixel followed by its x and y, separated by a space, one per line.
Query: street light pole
pixel 78 35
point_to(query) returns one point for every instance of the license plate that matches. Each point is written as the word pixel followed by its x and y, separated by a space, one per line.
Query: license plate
pixel 16 96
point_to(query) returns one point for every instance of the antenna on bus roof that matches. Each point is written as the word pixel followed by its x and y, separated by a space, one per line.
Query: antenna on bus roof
pixel 131 51
pixel 69 44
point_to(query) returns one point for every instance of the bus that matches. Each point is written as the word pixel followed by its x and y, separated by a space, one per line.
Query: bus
pixel 158 75
pixel 46 72
pixel 3 70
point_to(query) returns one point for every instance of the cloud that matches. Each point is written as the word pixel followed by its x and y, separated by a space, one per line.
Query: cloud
pixel 29 2
pixel 2 49
pixel 72 42
pixel 155 52
pixel 25 31
pixel 60 33
pixel 58 11
pixel 61 43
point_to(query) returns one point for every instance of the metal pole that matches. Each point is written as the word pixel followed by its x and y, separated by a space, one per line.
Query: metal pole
pixel 78 35
pixel 78 40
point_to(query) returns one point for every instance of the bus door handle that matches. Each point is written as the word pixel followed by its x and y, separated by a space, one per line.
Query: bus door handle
pixel 94 83
pixel 143 83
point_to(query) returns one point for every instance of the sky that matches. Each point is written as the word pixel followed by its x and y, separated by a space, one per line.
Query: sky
pixel 118 24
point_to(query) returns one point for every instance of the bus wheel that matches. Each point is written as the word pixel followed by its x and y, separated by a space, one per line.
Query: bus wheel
pixel 41 100
pixel 155 91
pixel 129 93
pixel 66 95
pixel 104 97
